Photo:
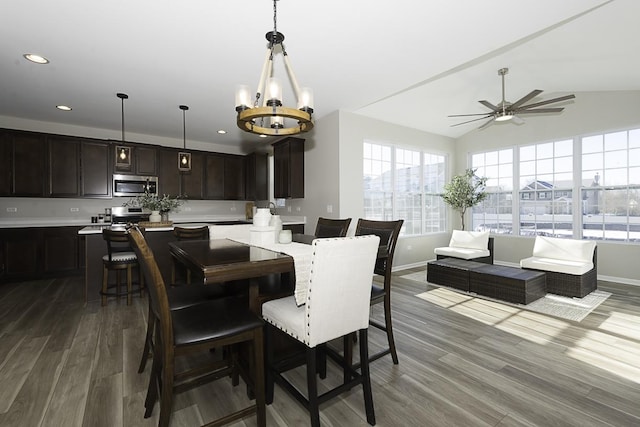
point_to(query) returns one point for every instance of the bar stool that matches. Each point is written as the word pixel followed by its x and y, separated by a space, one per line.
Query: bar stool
pixel 188 233
pixel 120 257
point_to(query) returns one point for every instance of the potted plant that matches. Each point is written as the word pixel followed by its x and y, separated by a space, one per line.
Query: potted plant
pixel 160 206
pixel 465 191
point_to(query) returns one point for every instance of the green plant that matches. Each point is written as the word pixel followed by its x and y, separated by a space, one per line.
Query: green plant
pixel 465 191
pixel 153 202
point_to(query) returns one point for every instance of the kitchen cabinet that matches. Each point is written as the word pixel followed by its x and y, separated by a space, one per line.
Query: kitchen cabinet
pixel 168 173
pixel 234 178
pixel 29 154
pixel 288 168
pixel 38 253
pixel 192 185
pixel 64 167
pixel 5 163
pixel 257 177
pixel 95 168
pixel 224 177
pixel 143 160
pixel 214 177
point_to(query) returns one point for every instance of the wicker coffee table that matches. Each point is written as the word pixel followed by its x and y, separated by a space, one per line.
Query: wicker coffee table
pixel 508 283
pixel 452 272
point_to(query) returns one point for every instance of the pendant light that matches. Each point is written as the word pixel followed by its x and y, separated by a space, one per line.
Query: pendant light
pixel 266 115
pixel 184 158
pixel 123 153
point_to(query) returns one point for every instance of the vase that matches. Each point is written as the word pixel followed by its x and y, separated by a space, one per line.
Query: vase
pixel 164 215
pixel 276 223
pixel 155 216
pixel 262 217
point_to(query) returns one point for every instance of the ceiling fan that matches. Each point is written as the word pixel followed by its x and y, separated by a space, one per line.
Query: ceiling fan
pixel 505 110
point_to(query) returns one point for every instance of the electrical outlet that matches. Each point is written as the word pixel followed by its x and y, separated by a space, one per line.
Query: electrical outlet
pixel 233 208
pixel 329 208
pixel 12 209
pixel 74 209
pixel 187 208
pixel 297 208
pixel 288 208
pixel 409 247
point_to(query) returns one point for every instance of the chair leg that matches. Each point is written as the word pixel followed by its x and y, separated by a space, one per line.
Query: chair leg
pixel 312 388
pixel 258 382
pixel 148 339
pixel 366 378
pixel 322 360
pixel 141 281
pixel 166 393
pixel 105 285
pixel 389 329
pixel 268 372
pixel 154 385
pixel 129 284
pixel 118 283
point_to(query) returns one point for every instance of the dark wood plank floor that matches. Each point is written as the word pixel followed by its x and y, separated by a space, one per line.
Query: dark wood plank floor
pixel 470 364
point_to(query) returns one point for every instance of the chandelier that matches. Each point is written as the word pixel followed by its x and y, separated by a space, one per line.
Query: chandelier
pixel 266 115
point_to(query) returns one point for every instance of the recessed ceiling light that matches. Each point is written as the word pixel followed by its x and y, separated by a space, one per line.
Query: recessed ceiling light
pixel 222 131
pixel 64 107
pixel 36 58
pixel 263 136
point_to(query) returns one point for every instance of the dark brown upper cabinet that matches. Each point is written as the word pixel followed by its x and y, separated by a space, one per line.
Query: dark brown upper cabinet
pixel 224 177
pixel 64 167
pixel 193 180
pixel 288 168
pixel 168 174
pixel 214 177
pixel 95 164
pixel 257 176
pixel 6 157
pixel 234 178
pixel 143 159
pixel 29 156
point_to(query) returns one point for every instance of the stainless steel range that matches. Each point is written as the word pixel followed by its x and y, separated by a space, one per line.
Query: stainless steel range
pixel 126 215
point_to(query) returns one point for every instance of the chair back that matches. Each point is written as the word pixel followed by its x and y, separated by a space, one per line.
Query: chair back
pixel 388 231
pixel 339 287
pixel 188 233
pixel 117 242
pixel 327 227
pixel 159 301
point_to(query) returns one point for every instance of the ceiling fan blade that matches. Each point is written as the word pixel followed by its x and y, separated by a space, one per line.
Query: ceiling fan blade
pixel 542 110
pixel 468 115
pixel 474 120
pixel 517 120
pixel 526 98
pixel 548 101
pixel 487 124
pixel 489 105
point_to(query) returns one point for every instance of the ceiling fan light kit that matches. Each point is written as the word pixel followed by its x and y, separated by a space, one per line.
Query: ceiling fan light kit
pixel 266 115
pixel 506 111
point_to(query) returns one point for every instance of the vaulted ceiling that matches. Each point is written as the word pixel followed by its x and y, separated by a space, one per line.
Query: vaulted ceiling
pixel 409 62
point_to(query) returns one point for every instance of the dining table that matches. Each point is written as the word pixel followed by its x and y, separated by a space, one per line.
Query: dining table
pixel 219 261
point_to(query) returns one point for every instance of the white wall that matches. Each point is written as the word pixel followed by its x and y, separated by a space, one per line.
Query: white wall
pixel 591 112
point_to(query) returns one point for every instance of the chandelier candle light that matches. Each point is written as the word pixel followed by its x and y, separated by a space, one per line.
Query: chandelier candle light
pixel 266 115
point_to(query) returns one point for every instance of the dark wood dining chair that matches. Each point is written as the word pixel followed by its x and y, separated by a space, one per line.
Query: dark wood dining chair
pixel 329 227
pixel 198 328
pixel 188 233
pixel 388 231
pixel 119 258
pixel 336 306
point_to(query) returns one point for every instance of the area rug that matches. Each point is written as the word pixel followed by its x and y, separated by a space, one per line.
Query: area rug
pixel 575 309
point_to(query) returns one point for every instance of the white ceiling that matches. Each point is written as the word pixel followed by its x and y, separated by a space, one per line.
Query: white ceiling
pixel 410 62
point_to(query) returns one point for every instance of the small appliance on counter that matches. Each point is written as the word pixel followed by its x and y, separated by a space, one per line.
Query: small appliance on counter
pixel 125 215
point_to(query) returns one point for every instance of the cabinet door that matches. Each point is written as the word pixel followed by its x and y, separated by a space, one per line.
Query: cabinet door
pixel 288 168
pixel 64 167
pixel 21 250
pixel 257 176
pixel 95 169
pixel 5 164
pixel 168 173
pixel 145 160
pixel 60 249
pixel 234 178
pixel 29 154
pixel 214 177
pixel 193 180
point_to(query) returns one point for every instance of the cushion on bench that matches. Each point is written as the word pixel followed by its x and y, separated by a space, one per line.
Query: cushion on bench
pixel 567 256
pixel 466 245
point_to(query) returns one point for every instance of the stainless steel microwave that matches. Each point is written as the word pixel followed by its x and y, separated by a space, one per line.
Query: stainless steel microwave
pixel 133 185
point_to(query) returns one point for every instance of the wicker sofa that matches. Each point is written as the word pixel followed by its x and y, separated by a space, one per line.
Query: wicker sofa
pixel 468 245
pixel 570 265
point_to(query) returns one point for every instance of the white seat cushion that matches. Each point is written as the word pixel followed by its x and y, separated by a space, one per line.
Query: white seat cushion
pixel 463 253
pixel 285 314
pixel 121 257
pixel 557 265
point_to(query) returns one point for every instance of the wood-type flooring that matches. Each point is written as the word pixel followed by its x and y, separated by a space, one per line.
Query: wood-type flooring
pixel 462 363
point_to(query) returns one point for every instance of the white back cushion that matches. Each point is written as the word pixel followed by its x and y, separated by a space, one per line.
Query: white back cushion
pixel 469 239
pixel 564 249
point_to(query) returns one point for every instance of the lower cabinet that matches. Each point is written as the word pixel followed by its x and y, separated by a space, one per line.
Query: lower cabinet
pixel 38 253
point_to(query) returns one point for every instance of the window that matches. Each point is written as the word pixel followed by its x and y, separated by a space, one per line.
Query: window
pixel 611 186
pixel 495 212
pixel 402 183
pixel 587 187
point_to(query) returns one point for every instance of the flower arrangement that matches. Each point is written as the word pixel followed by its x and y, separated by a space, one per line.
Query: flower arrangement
pixel 153 202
